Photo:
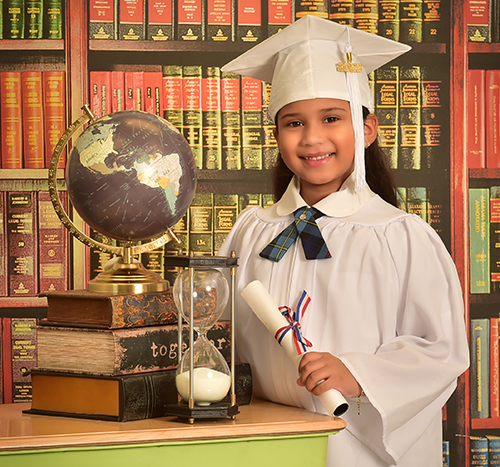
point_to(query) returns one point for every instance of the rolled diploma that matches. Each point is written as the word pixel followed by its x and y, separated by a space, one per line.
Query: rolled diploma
pixel 266 309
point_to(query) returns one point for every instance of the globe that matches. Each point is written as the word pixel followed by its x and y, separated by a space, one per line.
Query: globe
pixel 131 175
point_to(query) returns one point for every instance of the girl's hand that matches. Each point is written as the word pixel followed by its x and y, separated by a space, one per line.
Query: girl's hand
pixel 321 371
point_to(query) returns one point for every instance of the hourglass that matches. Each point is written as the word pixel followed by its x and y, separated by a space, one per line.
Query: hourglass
pixel 203 378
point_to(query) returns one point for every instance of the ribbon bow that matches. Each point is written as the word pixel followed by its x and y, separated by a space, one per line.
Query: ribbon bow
pixel 301 343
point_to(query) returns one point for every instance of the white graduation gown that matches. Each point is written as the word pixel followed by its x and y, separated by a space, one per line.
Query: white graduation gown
pixel 388 303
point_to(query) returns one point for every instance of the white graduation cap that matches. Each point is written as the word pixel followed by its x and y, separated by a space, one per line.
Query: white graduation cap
pixel 317 58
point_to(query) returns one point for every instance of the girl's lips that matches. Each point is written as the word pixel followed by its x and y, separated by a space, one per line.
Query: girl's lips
pixel 316 158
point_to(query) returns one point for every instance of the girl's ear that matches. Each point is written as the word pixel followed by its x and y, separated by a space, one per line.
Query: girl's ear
pixel 371 129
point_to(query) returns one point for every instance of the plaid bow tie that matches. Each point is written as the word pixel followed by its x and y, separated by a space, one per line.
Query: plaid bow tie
pixel 305 227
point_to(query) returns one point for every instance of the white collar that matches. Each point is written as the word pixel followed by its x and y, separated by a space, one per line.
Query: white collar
pixel 342 203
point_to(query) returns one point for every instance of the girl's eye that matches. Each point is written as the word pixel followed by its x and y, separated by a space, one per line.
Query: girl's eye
pixel 294 124
pixel 331 119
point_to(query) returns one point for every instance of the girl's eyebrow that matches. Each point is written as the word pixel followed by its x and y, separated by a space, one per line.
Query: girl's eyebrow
pixel 326 110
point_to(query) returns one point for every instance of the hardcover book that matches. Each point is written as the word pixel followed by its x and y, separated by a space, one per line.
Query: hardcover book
pixel 478 451
pixel 153 92
pixel 34 19
pixel 433 29
pixel 479 368
pixel 478 20
pixel 410 16
pixel 134 90
pixel 280 14
pixel 81 308
pixel 201 214
pixel 117 91
pixel 33 131
pixel 160 24
pixel 495 238
pixel 249 27
pixel 100 90
pixel 251 123
pixel 479 240
pixel 53 19
pixel 103 19
pixel 211 112
pixel 388 19
pixel 4 286
pixel 153 261
pixel 366 15
pixel 119 351
pixel 231 120
pixel 492 98
pixel 192 115
pixel 269 144
pixel 53 245
pixel 342 12
pixel 172 95
pixel 315 7
pixel 221 20
pixel 14 19
pixel 225 215
pixel 476 119
pixel 494 369
pixel 117 398
pixel 24 357
pixel 417 202
pixel 132 20
pixel 54 108
pixel 190 20
pixel 11 121
pixel 22 241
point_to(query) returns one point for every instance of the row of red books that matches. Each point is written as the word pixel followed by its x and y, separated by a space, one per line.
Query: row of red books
pixel 32 117
pixel 250 21
pixel 483 119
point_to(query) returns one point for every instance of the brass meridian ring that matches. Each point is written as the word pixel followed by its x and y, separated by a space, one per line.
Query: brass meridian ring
pixel 68 223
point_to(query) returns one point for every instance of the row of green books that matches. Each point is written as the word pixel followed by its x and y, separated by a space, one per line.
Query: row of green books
pixel 250 21
pixel 484 451
pixel 27 19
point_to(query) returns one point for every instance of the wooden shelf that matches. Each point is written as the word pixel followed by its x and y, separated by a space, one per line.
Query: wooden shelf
pixel 474 47
pixel 28 174
pixel 32 44
pixel 485 423
pixel 484 173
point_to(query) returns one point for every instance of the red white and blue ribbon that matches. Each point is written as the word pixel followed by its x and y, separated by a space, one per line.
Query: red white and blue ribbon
pixel 293 318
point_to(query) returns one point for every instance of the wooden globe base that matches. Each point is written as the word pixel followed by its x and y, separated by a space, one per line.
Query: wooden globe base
pixel 127 278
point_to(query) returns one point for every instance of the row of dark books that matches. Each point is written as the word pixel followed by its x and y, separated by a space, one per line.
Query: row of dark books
pixel 31 19
pixel 224 116
pixel 484 240
pixel 484 451
pixel 250 21
pixel 32 117
pixel 483 21
pixel 483 119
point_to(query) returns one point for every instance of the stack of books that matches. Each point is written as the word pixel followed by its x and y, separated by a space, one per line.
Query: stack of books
pixel 114 357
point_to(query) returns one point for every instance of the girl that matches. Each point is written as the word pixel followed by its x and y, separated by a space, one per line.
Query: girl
pixel 386 314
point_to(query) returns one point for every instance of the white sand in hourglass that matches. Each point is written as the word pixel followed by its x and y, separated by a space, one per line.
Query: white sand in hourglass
pixel 209 385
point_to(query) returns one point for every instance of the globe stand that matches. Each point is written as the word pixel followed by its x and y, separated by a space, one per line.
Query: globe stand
pixel 186 410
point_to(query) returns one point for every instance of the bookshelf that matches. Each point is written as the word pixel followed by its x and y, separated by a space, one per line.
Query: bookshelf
pixel 78 55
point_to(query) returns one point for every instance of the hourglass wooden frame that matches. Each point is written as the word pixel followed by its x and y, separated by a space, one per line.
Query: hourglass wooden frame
pixel 187 409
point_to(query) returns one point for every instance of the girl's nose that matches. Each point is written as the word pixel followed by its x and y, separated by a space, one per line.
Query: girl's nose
pixel 312 134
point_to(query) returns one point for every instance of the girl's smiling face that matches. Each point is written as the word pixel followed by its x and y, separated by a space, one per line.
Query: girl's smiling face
pixel 316 140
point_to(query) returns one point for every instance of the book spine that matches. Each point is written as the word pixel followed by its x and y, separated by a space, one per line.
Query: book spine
pixel 53 243
pixel 117 91
pixel 4 286
pixel 53 19
pixel 311 7
pixel 492 98
pixel 225 214
pixel 478 451
pixel 103 19
pixel 34 19
pixel 231 120
pixel 221 20
pixel 33 131
pixel 201 213
pixel 479 369
pixel 1 37
pixel 153 92
pixel 410 16
pixel 190 20
pixel 495 20
pixel 160 24
pixel 410 156
pixel 98 258
pixel 22 243
pixel 100 89
pixel 172 95
pixel 366 15
pixel 251 123
pixel 11 119
pixel 192 112
pixel 388 19
pixel 493 451
pixel 387 111
pixel 435 212
pixel 14 19
pixel 432 119
pixel 446 454
pixel 494 369
pixel 134 90
pixel 6 344
pixel 342 12
pixel 280 14
pixel 476 119
pixel 54 108
pixel 24 357
pixel 477 16
pixel 212 124
pixel 479 240
pixel 495 238
pixel 249 200
pixel 249 22
pixel 433 29
pixel 269 144
pixel 153 261
pixel 132 20
pixel 417 202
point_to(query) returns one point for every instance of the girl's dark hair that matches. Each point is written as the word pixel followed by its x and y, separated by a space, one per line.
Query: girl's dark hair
pixel 379 175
